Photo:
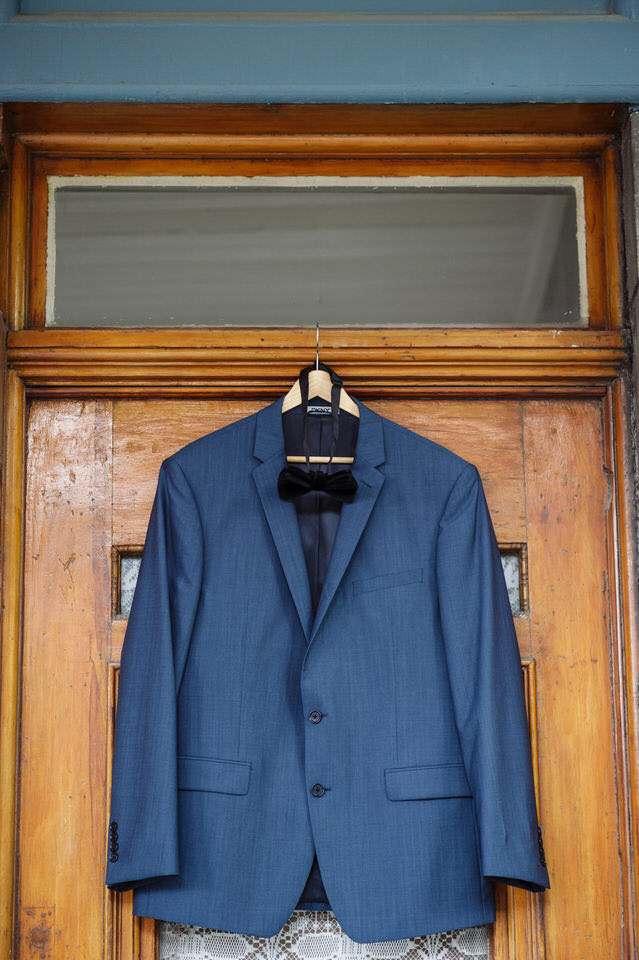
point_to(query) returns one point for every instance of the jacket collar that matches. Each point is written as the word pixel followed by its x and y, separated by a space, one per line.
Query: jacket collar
pixel 281 515
pixel 269 433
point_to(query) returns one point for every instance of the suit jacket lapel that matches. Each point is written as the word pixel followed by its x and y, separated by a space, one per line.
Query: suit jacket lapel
pixel 282 519
pixel 352 521
pixel 282 515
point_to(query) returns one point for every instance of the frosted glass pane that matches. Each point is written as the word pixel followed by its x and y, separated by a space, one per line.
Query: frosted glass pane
pixel 510 562
pixel 131 256
pixel 129 570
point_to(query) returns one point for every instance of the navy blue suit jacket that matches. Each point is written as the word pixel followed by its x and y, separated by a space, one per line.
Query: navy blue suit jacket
pixel 415 788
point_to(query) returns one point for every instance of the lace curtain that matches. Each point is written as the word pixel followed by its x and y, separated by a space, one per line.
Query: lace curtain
pixel 316 935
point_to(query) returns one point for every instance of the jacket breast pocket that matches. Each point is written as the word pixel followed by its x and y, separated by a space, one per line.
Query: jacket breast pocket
pixel 428 782
pixel 396 579
pixel 213 774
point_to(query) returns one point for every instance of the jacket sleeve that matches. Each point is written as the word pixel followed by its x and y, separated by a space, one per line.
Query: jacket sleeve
pixel 143 822
pixel 486 679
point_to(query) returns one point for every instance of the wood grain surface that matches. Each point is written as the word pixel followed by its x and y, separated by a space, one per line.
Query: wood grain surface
pixel 91 475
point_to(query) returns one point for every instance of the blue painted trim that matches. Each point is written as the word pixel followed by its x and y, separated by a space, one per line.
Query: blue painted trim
pixel 627 8
pixel 485 60
pixel 8 9
pixel 388 7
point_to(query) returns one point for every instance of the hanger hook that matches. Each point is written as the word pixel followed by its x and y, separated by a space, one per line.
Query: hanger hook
pixel 317 345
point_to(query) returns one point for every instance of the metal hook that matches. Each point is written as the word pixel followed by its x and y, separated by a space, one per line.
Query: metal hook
pixel 317 345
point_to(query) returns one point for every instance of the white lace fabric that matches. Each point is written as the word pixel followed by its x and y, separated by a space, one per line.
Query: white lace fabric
pixel 316 935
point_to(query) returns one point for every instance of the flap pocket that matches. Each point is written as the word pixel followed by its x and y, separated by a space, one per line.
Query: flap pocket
pixel 217 776
pixel 426 783
pixel 396 579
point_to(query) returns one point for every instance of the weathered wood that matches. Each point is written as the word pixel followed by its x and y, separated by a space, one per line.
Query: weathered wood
pixel 63 683
pixel 12 532
pixel 396 362
pixel 315 139
pixel 566 500
pixel 556 467
pixel 545 482
pixel 532 118
pixel 624 651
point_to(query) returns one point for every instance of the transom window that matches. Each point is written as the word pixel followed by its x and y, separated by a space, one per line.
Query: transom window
pixel 343 251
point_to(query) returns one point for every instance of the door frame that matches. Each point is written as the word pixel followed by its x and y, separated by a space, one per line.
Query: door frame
pixel 41 362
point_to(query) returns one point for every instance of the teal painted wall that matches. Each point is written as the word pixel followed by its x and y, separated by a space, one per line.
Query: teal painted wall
pixel 481 51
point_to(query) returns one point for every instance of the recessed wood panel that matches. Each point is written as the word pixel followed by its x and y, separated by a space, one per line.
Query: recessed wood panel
pixel 144 433
pixel 566 500
pixel 63 681
pixel 488 433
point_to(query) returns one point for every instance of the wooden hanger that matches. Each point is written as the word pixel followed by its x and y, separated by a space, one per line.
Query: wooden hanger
pixel 319 385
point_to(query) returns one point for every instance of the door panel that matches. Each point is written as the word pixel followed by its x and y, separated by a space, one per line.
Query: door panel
pixel 566 498
pixel 67 644
pixel 91 475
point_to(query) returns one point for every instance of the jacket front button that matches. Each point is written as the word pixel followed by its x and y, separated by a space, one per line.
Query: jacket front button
pixel 315 716
pixel 318 790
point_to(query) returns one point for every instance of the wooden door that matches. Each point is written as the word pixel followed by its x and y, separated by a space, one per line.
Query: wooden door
pixel 91 473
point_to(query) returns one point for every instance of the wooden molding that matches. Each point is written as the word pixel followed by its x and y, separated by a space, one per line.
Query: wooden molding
pixel 518 929
pixel 110 139
pixel 263 362
pixel 623 629
pixel 327 144
pixel 375 362
pixel 352 118
pixel 310 156
pixel 12 549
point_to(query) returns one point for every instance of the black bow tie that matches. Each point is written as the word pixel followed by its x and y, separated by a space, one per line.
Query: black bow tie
pixel 293 482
